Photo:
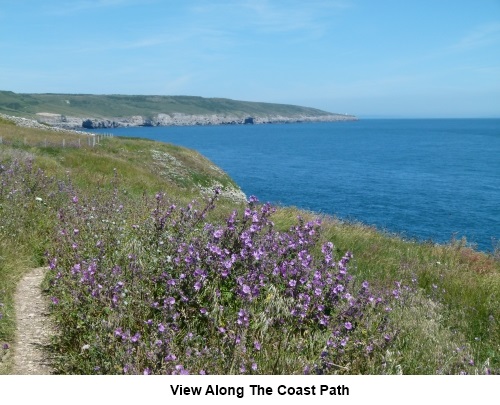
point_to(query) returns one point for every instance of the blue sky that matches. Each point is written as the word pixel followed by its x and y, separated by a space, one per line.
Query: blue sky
pixel 384 58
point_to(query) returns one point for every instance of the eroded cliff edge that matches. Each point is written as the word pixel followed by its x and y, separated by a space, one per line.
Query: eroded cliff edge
pixel 180 119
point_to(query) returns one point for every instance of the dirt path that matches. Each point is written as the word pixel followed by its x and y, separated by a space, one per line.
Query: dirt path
pixel 33 327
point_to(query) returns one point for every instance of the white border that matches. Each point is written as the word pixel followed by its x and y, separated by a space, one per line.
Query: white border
pixel 149 390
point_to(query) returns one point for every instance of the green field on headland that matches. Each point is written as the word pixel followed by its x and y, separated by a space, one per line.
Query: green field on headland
pixel 142 280
pixel 125 105
pixel 70 110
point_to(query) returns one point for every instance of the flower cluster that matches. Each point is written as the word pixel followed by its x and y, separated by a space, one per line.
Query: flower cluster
pixel 175 293
pixel 148 286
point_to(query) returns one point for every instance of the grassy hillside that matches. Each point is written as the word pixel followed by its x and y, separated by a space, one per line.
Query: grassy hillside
pixel 141 279
pixel 100 106
pixel 145 165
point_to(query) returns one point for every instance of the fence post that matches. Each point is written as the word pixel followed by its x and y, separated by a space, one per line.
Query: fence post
pixel 64 142
pixel 0 140
pixel 79 143
pixel 45 142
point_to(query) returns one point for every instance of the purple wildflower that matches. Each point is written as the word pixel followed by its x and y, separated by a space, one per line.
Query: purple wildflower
pixel 53 263
pixel 182 371
pixel 170 357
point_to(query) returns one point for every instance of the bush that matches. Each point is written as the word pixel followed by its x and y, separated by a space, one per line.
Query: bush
pixel 174 293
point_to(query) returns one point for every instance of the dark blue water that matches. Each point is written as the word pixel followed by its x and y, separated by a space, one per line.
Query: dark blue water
pixel 425 179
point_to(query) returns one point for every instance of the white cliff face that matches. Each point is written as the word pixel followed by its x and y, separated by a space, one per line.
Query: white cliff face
pixel 59 120
pixel 180 119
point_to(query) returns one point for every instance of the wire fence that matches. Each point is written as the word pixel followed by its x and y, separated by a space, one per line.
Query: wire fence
pixel 71 142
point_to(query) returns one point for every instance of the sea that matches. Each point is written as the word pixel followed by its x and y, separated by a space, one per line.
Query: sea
pixel 432 180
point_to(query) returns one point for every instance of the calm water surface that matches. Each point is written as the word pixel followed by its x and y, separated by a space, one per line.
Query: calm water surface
pixel 426 179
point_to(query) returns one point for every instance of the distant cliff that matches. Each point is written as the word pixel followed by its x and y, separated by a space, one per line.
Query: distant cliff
pixel 75 111
pixel 178 119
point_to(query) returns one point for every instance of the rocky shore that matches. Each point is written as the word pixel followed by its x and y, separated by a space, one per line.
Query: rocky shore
pixel 178 119
pixel 25 122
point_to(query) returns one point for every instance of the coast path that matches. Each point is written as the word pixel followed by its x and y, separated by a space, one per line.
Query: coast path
pixel 33 326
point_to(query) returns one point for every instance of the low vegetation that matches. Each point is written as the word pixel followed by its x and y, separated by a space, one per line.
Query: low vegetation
pixel 88 105
pixel 144 280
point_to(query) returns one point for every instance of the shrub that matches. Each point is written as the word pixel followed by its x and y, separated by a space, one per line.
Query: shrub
pixel 174 293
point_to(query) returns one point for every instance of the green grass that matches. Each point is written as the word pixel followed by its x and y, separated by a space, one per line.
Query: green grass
pixel 457 299
pixel 459 284
pixel 100 106
pixel 145 166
